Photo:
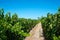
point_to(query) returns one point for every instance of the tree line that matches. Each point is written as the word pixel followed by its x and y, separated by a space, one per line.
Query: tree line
pixel 14 28
pixel 51 26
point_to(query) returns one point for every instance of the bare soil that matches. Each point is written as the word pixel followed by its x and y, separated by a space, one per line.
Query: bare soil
pixel 36 33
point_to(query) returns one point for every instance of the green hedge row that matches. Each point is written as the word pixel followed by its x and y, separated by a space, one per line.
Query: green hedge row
pixel 51 26
pixel 14 28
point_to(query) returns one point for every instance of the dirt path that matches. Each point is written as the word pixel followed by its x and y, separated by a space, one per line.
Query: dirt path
pixel 36 33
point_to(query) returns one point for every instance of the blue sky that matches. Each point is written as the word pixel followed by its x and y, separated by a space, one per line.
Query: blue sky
pixel 30 8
